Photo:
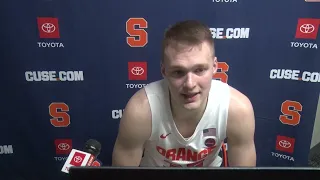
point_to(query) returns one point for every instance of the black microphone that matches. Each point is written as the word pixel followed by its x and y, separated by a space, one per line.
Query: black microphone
pixel 93 147
pixel 86 157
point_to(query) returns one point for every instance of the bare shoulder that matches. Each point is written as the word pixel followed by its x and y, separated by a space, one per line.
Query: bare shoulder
pixel 136 118
pixel 138 104
pixel 134 131
pixel 239 102
pixel 240 114
pixel 240 130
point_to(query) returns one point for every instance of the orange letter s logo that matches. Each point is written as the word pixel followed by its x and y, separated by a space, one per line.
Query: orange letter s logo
pixel 222 75
pixel 290 109
pixel 60 118
pixel 141 35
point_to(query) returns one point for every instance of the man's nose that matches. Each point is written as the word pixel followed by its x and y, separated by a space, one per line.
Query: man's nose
pixel 189 81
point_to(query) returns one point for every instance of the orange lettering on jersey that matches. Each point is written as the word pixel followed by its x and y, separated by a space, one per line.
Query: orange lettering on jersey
pixel 184 154
pixel 171 154
pixel 161 151
pixel 181 154
pixel 191 156
pixel 203 154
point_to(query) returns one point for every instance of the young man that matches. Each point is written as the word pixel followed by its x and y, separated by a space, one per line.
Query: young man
pixel 183 119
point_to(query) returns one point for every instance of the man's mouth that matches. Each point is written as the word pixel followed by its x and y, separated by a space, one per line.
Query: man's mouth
pixel 189 95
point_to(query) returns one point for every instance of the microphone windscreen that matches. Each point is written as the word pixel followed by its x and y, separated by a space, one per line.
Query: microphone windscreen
pixel 93 147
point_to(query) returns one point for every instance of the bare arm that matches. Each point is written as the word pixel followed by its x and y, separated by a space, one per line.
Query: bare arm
pixel 134 130
pixel 240 131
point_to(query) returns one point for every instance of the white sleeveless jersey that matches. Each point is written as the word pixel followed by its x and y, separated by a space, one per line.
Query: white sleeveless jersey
pixel 166 147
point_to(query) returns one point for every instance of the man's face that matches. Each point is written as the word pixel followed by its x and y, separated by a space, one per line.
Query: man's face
pixel 189 74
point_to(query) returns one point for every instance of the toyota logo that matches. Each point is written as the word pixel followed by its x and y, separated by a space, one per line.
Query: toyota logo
pixel 63 146
pixel 307 28
pixel 284 144
pixel 138 71
pixel 48 27
pixel 77 159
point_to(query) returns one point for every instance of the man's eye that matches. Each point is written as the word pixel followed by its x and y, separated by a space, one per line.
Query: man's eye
pixel 200 70
pixel 177 73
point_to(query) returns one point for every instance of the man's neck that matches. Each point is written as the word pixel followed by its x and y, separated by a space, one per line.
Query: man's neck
pixel 181 114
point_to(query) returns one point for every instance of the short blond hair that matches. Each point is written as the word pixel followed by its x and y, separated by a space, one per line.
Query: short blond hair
pixel 186 34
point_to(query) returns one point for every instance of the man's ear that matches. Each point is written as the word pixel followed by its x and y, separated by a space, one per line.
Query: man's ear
pixel 215 65
pixel 163 71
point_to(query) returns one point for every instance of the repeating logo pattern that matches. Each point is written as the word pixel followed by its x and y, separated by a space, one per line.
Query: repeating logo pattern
pixel 50 34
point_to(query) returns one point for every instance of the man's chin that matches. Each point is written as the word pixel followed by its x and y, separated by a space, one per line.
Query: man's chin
pixel 191 106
